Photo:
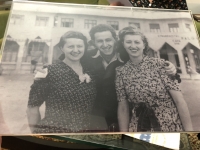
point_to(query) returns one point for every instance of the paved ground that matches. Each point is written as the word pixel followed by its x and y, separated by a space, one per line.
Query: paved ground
pixel 14 91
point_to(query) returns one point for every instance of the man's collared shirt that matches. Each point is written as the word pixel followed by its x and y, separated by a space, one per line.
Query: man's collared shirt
pixel 105 64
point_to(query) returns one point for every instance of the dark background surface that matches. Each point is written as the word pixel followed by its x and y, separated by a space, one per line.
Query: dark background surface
pixel 33 143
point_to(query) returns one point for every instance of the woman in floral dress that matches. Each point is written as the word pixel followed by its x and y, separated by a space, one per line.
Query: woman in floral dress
pixel 164 4
pixel 148 99
pixel 68 91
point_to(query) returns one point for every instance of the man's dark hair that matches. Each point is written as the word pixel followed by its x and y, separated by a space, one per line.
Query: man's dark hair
pixel 102 28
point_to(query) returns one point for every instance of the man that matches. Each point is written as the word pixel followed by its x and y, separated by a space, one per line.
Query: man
pixel 104 59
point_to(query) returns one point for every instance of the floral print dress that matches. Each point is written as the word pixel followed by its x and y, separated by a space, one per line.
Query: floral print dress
pixel 148 83
pixel 165 4
pixel 68 102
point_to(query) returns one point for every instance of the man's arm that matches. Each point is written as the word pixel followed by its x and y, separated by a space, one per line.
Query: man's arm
pixel 33 116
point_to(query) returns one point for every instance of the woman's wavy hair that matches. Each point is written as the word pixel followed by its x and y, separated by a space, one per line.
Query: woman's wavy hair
pixel 72 34
pixel 130 31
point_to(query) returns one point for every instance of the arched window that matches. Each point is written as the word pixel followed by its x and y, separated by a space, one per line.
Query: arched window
pixel 10 51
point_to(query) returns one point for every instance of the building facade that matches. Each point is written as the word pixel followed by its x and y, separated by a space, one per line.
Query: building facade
pixel 33 33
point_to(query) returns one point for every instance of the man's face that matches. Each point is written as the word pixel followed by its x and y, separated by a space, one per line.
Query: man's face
pixel 105 42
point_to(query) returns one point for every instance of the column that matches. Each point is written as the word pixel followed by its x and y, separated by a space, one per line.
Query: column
pixel 191 58
pixel 182 62
pixel 158 54
pixel 50 52
pixel 20 55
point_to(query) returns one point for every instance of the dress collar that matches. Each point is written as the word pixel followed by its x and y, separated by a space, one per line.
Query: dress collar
pixel 134 65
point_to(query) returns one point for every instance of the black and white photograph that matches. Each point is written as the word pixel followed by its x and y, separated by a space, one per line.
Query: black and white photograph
pixel 74 69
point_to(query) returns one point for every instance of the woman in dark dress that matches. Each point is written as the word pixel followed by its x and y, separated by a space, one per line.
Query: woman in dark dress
pixel 68 91
pixel 148 99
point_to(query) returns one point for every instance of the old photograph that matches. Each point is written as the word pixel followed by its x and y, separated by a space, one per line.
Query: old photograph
pixel 69 68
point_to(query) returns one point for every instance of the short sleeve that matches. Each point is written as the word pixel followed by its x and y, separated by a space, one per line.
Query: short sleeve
pixel 38 92
pixel 167 81
pixel 119 85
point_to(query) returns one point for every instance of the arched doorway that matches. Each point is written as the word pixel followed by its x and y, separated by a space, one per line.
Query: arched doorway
pixel 10 51
pixel 36 53
pixel 191 56
pixel 36 49
pixel 167 52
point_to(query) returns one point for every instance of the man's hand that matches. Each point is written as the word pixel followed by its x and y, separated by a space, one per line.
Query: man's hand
pixel 170 68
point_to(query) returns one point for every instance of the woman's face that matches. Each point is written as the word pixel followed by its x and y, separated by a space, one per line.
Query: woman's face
pixel 73 49
pixel 134 45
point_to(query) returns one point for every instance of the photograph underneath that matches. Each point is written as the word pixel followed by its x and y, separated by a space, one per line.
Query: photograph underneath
pixel 98 69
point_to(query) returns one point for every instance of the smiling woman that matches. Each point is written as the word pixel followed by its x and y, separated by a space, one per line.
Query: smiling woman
pixel 68 91
pixel 134 46
pixel 73 49
pixel 142 85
